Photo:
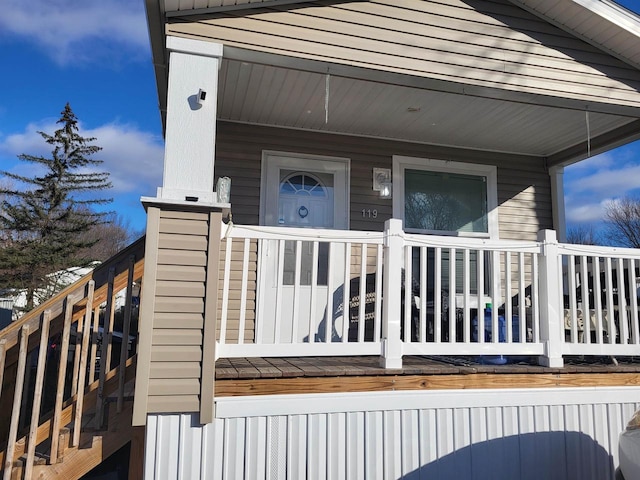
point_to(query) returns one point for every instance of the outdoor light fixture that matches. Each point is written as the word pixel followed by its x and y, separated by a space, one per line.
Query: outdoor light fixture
pixel 382 182
pixel 223 190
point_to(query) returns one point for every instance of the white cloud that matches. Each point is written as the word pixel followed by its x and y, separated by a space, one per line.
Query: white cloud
pixel 133 158
pixel 577 212
pixel 78 30
pixel 609 182
pixel 593 183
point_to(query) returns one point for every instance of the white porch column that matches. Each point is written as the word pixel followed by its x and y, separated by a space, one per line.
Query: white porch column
pixel 190 135
pixel 551 314
pixel 557 202
pixel 392 294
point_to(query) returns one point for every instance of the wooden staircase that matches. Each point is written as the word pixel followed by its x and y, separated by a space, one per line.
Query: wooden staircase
pixel 67 372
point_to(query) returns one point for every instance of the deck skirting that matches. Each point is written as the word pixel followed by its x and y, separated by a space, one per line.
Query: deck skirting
pixel 525 433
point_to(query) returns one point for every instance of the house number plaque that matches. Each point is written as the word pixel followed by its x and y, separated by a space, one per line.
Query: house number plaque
pixel 369 213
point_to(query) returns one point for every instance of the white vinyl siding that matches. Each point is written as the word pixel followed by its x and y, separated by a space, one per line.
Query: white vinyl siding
pixel 472 434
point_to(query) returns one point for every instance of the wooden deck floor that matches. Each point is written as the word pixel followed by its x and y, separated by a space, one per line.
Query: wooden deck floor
pixel 270 376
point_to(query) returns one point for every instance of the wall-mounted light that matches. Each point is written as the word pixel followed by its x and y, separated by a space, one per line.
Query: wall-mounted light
pixel 382 182
pixel 223 190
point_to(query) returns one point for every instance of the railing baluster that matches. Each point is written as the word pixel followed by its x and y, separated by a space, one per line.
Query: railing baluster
pixel 495 295
pixel 279 282
pixel 363 291
pixel 3 357
pixel 408 294
pixel 93 342
pixel 330 287
pixel 377 330
pixel 535 297
pixel 126 327
pixel 437 296
pixel 77 348
pixel 597 290
pixel 573 308
pixel 62 371
pixel 225 291
pixel 586 308
pixel 296 290
pixel 314 291
pixel 480 282
pixel 37 394
pixel 633 300
pixel 105 354
pixel 611 324
pixel 82 370
pixel 522 296
pixel 466 292
pixel 452 295
pixel 17 402
pixel 423 294
pixel 508 302
pixel 622 304
pixel 243 292
pixel 346 292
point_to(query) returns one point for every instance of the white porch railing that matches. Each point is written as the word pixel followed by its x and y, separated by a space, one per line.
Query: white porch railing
pixel 600 287
pixel 305 292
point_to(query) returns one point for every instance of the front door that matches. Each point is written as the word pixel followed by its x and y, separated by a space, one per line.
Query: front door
pixel 303 192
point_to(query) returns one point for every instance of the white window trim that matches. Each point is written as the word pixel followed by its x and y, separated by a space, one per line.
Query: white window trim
pixel 402 163
pixel 314 164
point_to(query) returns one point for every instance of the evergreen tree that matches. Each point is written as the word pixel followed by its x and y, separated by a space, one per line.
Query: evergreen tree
pixel 42 226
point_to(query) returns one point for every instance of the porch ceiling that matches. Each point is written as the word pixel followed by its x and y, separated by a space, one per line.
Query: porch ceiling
pixel 280 92
pixel 271 95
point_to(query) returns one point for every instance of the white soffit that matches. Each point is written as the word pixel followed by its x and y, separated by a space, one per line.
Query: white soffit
pixel 268 95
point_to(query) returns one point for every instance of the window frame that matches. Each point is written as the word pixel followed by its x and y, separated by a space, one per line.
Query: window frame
pixel 490 172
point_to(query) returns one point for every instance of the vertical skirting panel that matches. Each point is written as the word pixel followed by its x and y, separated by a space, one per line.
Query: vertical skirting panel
pixel 524 434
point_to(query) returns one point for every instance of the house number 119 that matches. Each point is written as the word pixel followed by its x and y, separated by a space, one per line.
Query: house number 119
pixel 368 213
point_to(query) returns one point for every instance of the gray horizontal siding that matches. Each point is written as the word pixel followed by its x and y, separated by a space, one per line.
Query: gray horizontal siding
pixel 524 192
pixel 483 43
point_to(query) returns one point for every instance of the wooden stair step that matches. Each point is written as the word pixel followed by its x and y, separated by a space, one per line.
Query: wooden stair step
pixel 94 448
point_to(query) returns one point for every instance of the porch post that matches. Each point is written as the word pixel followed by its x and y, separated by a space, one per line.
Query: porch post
pixel 190 135
pixel 557 201
pixel 391 294
pixel 550 299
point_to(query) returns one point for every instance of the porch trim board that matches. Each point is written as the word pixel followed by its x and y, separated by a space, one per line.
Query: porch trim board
pixel 304 404
pixel 292 387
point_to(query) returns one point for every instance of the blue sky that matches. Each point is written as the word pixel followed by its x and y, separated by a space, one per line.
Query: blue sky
pixel 95 55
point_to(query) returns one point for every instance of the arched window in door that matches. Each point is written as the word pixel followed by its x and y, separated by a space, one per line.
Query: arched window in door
pixel 305 200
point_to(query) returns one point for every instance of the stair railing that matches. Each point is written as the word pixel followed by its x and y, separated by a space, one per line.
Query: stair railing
pixel 71 356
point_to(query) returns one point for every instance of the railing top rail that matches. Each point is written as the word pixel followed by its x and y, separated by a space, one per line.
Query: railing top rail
pixel 598 251
pixel 305 234
pixel 75 292
pixel 472 243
